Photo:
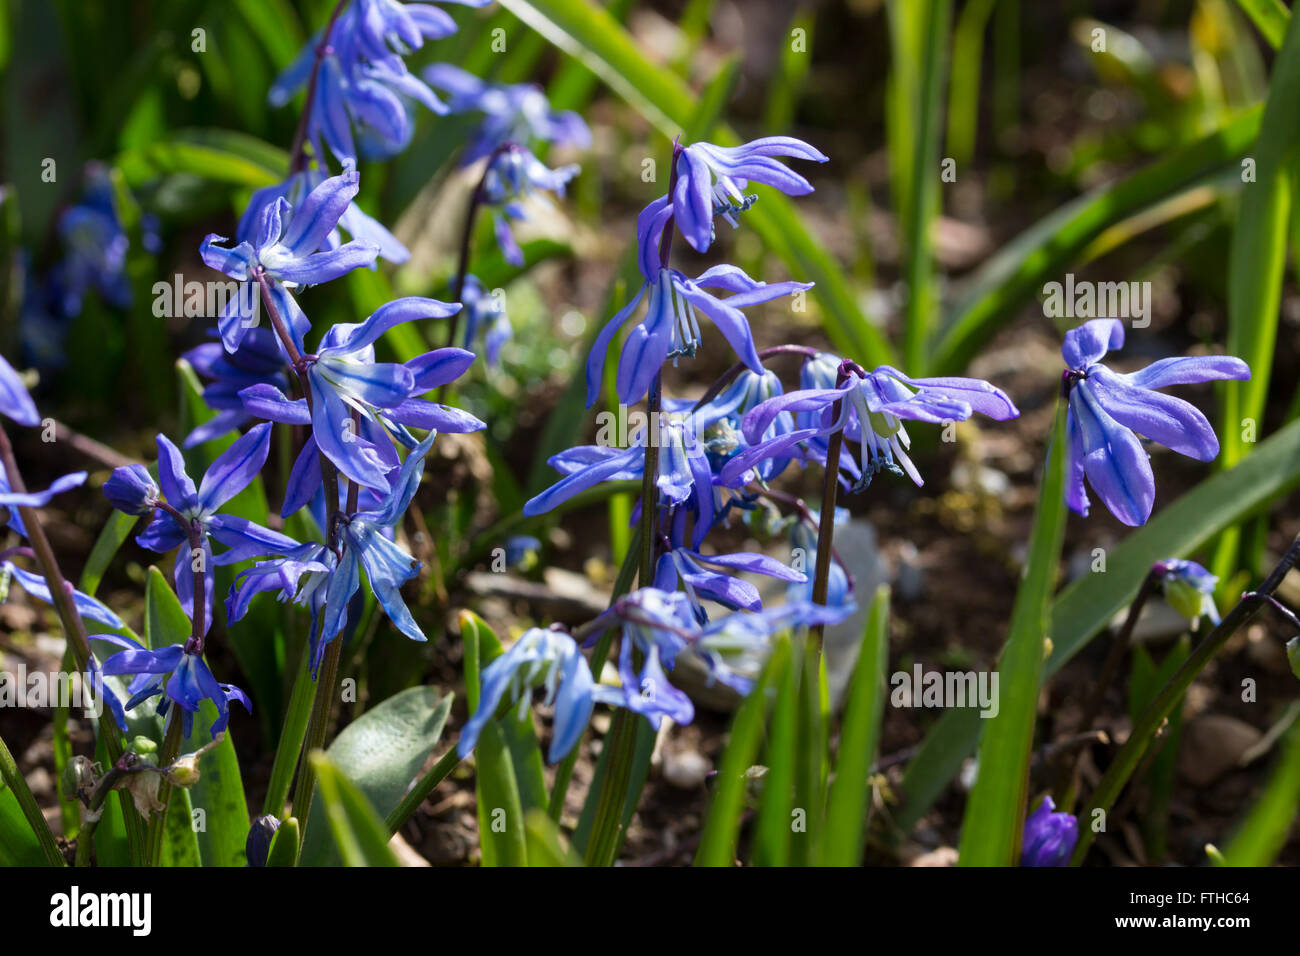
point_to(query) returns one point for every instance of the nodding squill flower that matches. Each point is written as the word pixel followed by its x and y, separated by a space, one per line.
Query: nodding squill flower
pixel 181 512
pixel 873 406
pixel 662 624
pixel 803 540
pixel 344 379
pixel 685 476
pixel 711 181
pixel 16 403
pixel 36 586
pixel 1188 588
pixel 353 221
pixel 95 246
pixel 363 83
pixel 512 113
pixel 514 178
pixel 1049 836
pixel 541 658
pixel 177 673
pixel 671 325
pixel 259 360
pixel 1106 409
pixel 724 439
pixel 711 577
pixel 485 311
pixel 281 250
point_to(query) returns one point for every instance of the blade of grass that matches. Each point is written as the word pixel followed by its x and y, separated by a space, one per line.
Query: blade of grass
pixel 847 806
pixel 995 813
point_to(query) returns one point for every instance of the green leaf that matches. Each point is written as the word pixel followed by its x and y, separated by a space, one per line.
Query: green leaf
pixel 1270 18
pixel 1086 605
pixel 218 155
pixel 19 845
pixel 359 835
pixel 180 842
pixel 813 764
pixel 1257 265
pixel 502 839
pixel 381 752
pixel 1017 272
pixel 995 813
pixel 546 844
pixel 847 805
pixel 1264 832
pixel 284 845
pixel 165 620
pixel 111 538
pixel 722 824
pixel 590 35
pixel 772 832
pixel 219 793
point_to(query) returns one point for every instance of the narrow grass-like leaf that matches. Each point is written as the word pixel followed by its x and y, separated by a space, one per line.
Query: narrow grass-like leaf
pixel 847 804
pixel 1270 18
pixel 546 844
pixel 502 838
pixel 995 813
pixel 772 832
pixel 359 834
pixel 1263 833
pixel 284 845
pixel 722 824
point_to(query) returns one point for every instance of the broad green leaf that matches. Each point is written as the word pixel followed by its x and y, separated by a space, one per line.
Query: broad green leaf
pixel 359 835
pixel 381 752
pixel 1264 832
pixel 165 620
pixel 19 845
pixel 995 812
pixel 1086 605
pixel 722 824
pixel 219 793
pixel 180 843
pixel 1016 273
pixel 589 34
pixel 848 803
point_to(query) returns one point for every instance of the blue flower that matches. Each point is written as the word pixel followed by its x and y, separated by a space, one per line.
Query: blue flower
pixel 724 439
pixel 175 672
pixel 95 245
pixel 671 326
pixel 711 181
pixel 353 221
pixel 517 113
pixel 131 490
pixel 325 581
pixel 685 478
pixel 282 246
pixel 711 577
pixel 35 585
pixel 185 514
pixel 259 360
pixel 363 81
pixel 540 658
pixel 345 379
pixel 515 176
pixel 1049 837
pixel 873 406
pixel 15 401
pixel 1188 588
pixel 734 648
pixel 1106 408
pixel 484 310
pixel 803 539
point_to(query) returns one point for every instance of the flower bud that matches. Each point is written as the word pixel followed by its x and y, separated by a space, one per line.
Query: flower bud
pixel 184 772
pixel 1049 837
pixel 258 845
pixel 130 489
